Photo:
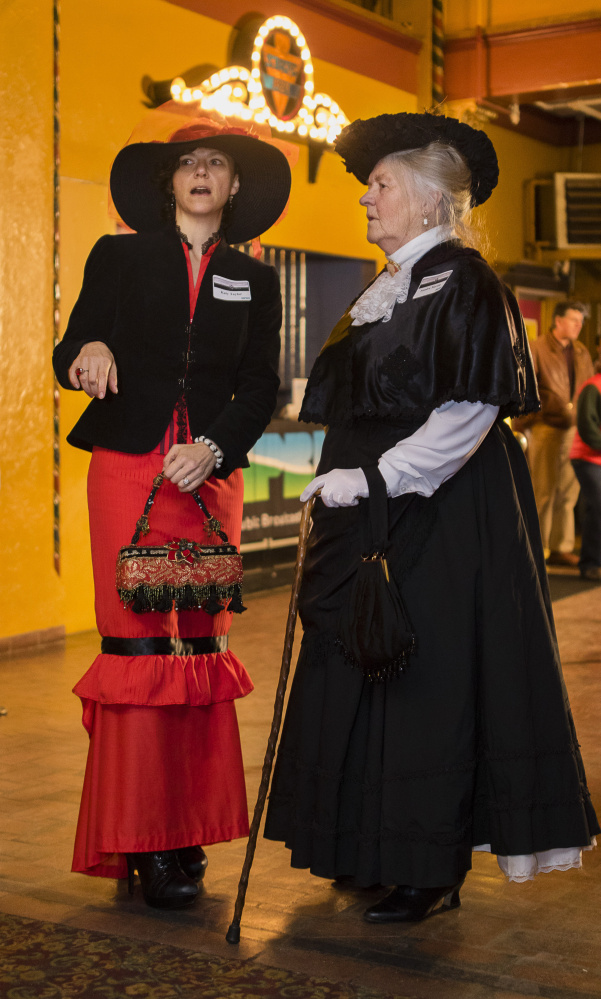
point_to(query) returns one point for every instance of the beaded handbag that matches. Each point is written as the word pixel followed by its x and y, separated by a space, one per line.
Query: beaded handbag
pixel 183 574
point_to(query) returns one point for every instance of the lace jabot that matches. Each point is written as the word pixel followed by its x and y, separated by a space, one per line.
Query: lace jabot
pixel 378 301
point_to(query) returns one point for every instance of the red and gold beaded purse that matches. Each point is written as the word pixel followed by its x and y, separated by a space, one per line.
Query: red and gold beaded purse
pixel 183 574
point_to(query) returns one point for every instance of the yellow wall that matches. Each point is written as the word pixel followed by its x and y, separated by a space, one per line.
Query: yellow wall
pixel 31 594
pixel 591 159
pixel 520 159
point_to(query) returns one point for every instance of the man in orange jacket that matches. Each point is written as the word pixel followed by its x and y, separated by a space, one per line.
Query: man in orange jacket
pixel 561 364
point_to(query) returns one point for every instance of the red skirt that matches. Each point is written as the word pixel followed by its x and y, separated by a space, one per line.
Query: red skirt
pixel 164 765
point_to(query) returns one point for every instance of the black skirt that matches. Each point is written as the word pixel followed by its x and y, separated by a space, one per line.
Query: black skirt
pixel 396 782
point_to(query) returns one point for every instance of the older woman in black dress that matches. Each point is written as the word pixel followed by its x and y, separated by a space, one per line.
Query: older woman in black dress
pixel 394 776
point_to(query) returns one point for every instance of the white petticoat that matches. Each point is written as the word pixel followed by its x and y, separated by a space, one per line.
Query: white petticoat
pixel 525 867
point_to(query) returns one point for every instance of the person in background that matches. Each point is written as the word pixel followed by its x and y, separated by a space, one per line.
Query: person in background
pixel 561 365
pixel 586 461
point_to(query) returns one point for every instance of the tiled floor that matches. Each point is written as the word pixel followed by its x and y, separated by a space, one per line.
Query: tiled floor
pixel 507 940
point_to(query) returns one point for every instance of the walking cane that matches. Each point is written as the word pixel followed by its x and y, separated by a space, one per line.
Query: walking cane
pixel 233 934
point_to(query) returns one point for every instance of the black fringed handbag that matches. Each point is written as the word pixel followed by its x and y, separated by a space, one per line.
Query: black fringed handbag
pixel 182 574
pixel 374 629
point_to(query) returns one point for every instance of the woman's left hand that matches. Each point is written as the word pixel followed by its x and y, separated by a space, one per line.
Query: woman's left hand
pixel 188 465
pixel 340 487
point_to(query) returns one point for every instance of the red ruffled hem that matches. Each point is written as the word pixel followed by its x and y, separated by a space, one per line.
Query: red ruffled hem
pixel 112 864
pixel 162 680
pixel 158 778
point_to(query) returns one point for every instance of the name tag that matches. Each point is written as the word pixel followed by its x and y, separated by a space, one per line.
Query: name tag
pixel 231 291
pixel 433 283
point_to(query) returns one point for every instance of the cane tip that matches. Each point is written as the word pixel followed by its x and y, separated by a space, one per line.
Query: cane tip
pixel 233 934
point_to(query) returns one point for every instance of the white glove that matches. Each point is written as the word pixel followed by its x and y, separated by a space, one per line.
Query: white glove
pixel 340 487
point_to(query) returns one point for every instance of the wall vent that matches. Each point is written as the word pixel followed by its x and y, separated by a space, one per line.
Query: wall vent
pixel 577 210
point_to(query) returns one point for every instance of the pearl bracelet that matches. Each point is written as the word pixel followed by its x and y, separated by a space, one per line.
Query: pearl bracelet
pixel 211 444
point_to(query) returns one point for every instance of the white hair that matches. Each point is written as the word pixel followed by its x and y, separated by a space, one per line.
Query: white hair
pixel 439 168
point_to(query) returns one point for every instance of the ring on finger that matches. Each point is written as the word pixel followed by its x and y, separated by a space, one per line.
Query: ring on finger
pixel 186 481
pixel 81 371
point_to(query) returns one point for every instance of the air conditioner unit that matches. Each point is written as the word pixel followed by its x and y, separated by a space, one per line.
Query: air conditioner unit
pixel 577 210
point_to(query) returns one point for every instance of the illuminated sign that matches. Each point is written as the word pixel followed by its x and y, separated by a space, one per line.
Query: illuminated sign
pixel 278 89
pixel 282 74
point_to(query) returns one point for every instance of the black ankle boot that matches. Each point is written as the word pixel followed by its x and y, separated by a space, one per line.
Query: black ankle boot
pixel 405 904
pixel 193 861
pixel 164 884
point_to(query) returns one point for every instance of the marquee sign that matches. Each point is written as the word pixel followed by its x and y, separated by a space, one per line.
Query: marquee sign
pixel 278 89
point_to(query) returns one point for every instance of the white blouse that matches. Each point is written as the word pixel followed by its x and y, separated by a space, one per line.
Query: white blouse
pixel 442 445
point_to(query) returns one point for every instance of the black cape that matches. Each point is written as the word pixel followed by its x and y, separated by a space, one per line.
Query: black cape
pixel 463 342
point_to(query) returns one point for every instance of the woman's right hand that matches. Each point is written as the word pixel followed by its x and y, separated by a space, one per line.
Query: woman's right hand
pixel 339 487
pixel 93 369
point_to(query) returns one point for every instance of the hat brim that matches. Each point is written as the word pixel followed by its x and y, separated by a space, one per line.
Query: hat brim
pixel 263 169
pixel 364 143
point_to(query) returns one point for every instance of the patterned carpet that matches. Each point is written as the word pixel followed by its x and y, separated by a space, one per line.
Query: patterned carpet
pixel 40 960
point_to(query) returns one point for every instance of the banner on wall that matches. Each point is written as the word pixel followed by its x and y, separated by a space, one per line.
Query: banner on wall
pixel 282 463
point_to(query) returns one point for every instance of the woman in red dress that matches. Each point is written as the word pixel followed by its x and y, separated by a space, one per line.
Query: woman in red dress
pixel 175 337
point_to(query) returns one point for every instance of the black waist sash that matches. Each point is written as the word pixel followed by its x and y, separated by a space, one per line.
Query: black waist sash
pixel 164 646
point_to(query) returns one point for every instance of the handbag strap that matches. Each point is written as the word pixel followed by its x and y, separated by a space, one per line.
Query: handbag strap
pixel 143 525
pixel 376 536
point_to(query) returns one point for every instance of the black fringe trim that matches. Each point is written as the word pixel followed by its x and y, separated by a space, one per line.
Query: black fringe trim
pixel 211 599
pixel 378 673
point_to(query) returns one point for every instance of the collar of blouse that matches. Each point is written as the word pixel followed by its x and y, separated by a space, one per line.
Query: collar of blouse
pixel 378 301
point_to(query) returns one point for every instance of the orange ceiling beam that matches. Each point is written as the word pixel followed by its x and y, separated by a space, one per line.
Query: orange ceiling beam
pixel 338 36
pixel 522 62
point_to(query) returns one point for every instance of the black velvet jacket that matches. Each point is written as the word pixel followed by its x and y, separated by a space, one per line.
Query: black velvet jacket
pixel 459 336
pixel 135 299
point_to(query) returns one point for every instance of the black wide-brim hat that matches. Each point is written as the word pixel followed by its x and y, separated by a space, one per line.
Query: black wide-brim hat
pixel 362 144
pixel 262 168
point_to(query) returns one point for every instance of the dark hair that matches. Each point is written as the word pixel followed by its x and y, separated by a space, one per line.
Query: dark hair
pixel 164 179
pixel 562 307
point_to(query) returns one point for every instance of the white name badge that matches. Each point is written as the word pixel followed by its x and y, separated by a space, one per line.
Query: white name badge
pixel 231 291
pixel 433 283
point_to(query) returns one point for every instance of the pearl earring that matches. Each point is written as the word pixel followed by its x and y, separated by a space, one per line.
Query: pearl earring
pixel 425 221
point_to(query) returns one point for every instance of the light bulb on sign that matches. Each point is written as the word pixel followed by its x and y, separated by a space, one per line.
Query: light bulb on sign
pixel 288 102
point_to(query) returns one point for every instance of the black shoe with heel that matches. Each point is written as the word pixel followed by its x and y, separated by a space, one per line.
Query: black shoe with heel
pixel 405 904
pixel 164 884
pixel 193 861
